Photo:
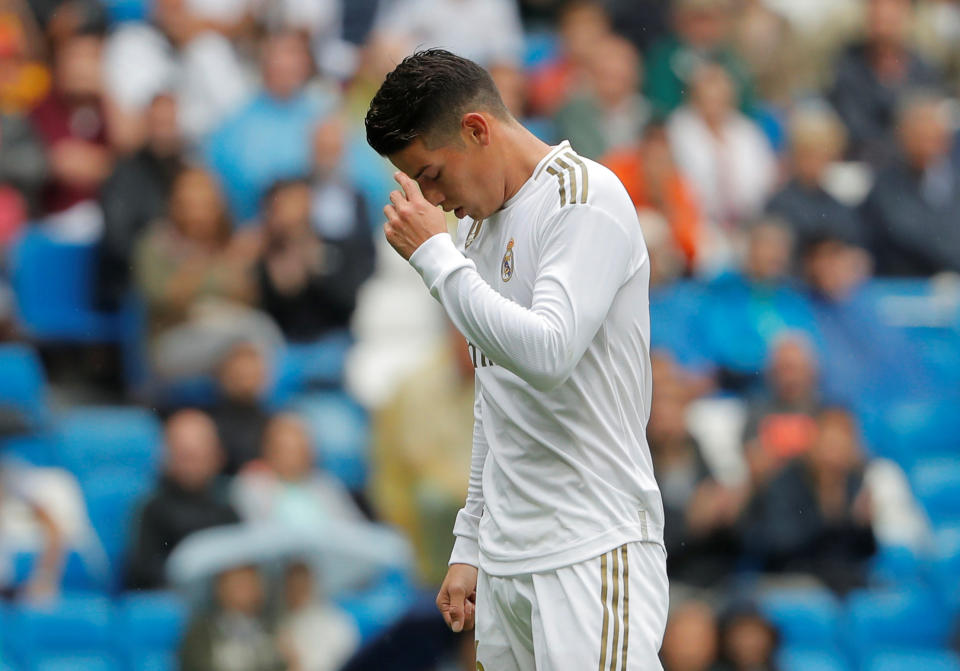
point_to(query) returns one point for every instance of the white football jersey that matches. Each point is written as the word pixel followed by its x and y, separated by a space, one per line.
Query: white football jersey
pixel 551 292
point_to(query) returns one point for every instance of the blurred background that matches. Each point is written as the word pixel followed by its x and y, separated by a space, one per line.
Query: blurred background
pixel 235 429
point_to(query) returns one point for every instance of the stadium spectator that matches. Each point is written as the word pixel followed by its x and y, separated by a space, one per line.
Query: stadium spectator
pixel 652 179
pixel 240 412
pixel 61 18
pixel 513 83
pixel 609 113
pixel 423 438
pixel 823 494
pixel 72 125
pixel 363 167
pixel 643 22
pixel 317 252
pixel 23 170
pixel 285 488
pixel 766 43
pixel 320 635
pixel 817 138
pixel 197 280
pixel 748 641
pixel 452 24
pixel 745 311
pixel 135 196
pixel 187 498
pixel 701 514
pixel 780 419
pixel 690 642
pixel 581 25
pixel 178 52
pixel 936 34
pixel 912 215
pixel 667 262
pixel 702 35
pixel 726 157
pixel 873 75
pixel 42 513
pixel 865 354
pixel 233 635
pixel 26 79
pixel 323 20
pixel 267 139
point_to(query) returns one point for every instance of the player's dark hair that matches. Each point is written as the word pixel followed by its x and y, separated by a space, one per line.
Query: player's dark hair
pixel 428 93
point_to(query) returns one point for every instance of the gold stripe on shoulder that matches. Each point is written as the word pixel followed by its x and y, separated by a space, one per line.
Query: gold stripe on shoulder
pixel 547 159
pixel 583 166
pixel 573 178
pixel 563 190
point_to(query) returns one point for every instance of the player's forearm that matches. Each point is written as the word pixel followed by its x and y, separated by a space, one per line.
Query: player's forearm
pixel 579 272
pixel 534 344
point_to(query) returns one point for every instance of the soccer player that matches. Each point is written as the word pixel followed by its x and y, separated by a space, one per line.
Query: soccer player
pixel 559 549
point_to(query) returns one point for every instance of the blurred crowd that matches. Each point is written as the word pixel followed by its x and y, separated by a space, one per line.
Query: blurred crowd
pixel 790 161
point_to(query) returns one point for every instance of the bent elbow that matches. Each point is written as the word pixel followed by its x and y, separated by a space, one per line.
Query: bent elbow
pixel 549 378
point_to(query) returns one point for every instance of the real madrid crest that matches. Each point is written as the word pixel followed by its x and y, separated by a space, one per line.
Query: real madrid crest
pixel 506 267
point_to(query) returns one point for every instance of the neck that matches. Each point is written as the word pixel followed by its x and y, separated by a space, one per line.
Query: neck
pixel 523 151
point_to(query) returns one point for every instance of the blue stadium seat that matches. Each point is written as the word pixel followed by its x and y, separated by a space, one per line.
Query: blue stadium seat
pixel 896 565
pixel 895 620
pixel 928 321
pixel 53 283
pixel 23 384
pixel 112 503
pixel 80 573
pixel 166 660
pixel 76 626
pixel 811 659
pixel 341 434
pixel 674 324
pixel 4 634
pixel 39 449
pixel 127 10
pixel 149 628
pixel 311 365
pixel 76 663
pixel 378 606
pixel 806 618
pixel 911 430
pixel 944 567
pixel 919 660
pixel 936 482
pixel 93 439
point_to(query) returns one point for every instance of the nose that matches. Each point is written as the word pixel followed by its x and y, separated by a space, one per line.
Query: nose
pixel 433 195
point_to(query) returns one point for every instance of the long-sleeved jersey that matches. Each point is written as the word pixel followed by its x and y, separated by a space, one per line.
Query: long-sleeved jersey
pixel 551 293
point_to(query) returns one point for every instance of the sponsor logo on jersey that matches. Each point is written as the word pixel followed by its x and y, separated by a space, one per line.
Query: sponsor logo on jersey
pixel 506 267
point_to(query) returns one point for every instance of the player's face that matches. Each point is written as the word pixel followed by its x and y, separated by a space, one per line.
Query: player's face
pixel 461 177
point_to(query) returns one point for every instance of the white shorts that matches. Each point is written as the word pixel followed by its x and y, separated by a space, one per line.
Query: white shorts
pixel 604 614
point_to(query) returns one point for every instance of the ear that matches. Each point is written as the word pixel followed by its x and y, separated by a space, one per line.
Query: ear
pixel 475 128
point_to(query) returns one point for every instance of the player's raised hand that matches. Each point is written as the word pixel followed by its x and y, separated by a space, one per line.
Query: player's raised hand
pixel 458 597
pixel 411 219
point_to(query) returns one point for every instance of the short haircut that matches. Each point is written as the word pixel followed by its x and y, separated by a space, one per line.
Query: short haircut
pixel 428 93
